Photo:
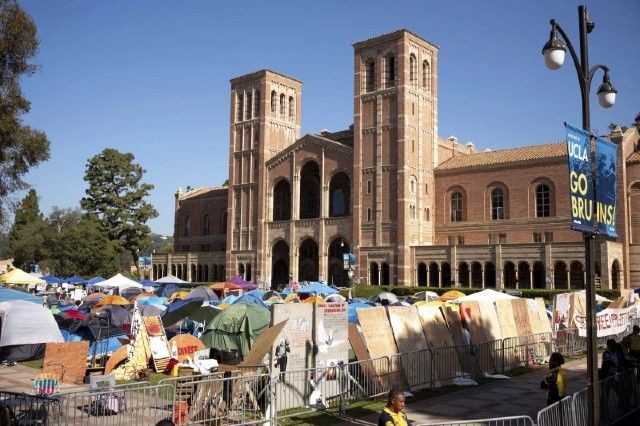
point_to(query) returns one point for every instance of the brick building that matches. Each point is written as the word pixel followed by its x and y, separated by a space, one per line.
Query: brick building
pixel 415 209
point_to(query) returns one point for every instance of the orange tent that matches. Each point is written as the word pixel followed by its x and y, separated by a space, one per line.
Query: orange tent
pixel 112 300
pixel 225 286
pixel 451 295
pixel 313 299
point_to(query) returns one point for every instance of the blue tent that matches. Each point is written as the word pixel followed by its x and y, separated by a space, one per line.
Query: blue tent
pixel 254 296
pixel 353 316
pixel 107 344
pixel 95 280
pixel 75 280
pixel 317 288
pixel 147 283
pixel 10 294
pixel 166 290
pixel 50 279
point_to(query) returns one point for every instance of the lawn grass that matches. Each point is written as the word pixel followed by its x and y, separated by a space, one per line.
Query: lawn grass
pixel 34 363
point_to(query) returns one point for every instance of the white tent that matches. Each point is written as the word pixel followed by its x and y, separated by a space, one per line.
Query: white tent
pixel 598 297
pixel 118 281
pixel 485 295
pixel 170 279
pixel 27 323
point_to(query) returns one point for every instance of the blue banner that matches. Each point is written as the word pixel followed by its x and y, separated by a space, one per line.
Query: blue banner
pixel 606 162
pixel 580 179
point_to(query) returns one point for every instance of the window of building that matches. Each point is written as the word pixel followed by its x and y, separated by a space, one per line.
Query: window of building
pixel 537 237
pixel 413 146
pixel 413 108
pixel 274 99
pixel 493 238
pixel 460 240
pixel 256 105
pixel 187 226
pixel 456 207
pixel 248 106
pixel 256 135
pixel 368 187
pixel 368 215
pixel 390 69
pixel 543 200
pixel 426 75
pixel 428 215
pixel 205 225
pixel 239 106
pixel 424 214
pixel 426 188
pixel 292 108
pixel 548 237
pixel 283 104
pixel 412 68
pixel 412 185
pixel 502 238
pixel 223 223
pixel 451 240
pixel 205 247
pixel 497 204
pixel 370 76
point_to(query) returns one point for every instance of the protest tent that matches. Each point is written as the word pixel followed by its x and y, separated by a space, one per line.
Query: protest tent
pixel 170 279
pixel 244 285
pixel 25 329
pixel 50 279
pixel 112 300
pixel 250 297
pixel 7 294
pixel 385 298
pixel 179 310
pixel 486 295
pixel 167 290
pixel 237 327
pixel 19 277
pixel 451 295
pixel 75 280
pixel 94 281
pixel 317 288
pixel 202 292
pixel 120 282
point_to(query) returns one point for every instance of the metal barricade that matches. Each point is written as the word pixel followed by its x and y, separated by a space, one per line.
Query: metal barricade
pixel 417 367
pixel 557 414
pixel 366 379
pixel 489 356
pixel 24 409
pixel 123 405
pixel 618 397
pixel 527 350
pixel 580 406
pixel 452 362
pixel 497 421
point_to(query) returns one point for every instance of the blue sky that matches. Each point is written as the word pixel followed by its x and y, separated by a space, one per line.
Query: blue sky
pixel 152 77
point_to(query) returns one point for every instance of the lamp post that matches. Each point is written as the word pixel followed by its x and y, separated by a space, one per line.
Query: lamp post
pixel 554 52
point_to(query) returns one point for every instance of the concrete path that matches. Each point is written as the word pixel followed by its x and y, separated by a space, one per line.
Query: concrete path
pixel 520 395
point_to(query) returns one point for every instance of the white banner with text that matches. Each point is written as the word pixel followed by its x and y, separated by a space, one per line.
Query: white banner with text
pixel 609 322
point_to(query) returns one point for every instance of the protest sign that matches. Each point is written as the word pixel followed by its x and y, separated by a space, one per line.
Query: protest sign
pixel 608 322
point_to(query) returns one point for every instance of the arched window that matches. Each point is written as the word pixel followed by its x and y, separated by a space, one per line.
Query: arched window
pixel 456 207
pixel 424 215
pixel 187 226
pixel 283 104
pixel 368 215
pixel 412 68
pixel 426 188
pixel 428 215
pixel 274 99
pixel 239 106
pixel 256 105
pixel 292 108
pixel 205 224
pixel 543 200
pixel 497 204
pixel 412 185
pixel 370 76
pixel 248 107
pixel 390 71
pixel 413 146
pixel 368 187
pixel 426 76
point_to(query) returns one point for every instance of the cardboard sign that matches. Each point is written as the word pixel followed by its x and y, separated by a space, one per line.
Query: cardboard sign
pixel 407 330
pixel 331 336
pixel 67 361
pixel 185 345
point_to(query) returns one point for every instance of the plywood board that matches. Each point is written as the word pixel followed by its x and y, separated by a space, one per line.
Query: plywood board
pixel 577 308
pixel 477 328
pixel 438 338
pixel 490 320
pixel 378 337
pixel 407 331
pixel 466 357
pixel 505 317
pixel 262 346
pixel 542 315
pixel 67 361
pixel 120 355
pixel 521 317
pixel 534 319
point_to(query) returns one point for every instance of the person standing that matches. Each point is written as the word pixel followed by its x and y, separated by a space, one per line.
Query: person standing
pixel 555 382
pixel 392 414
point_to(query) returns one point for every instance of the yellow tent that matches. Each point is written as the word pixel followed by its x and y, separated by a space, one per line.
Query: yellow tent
pixel 18 276
pixel 292 298
pixel 178 295
pixel 451 295
pixel 112 300
pixel 313 299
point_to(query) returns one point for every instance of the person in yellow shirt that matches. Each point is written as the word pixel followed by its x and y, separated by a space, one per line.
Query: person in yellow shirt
pixel 392 414
pixel 555 382
pixel 634 343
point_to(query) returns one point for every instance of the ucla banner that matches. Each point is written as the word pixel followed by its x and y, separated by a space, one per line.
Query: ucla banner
pixel 580 179
pixel 605 209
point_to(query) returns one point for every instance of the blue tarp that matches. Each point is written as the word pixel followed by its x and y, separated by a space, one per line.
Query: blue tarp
pixel 10 294
pixel 317 288
pixel 96 347
pixel 50 279
pixel 166 290
pixel 147 283
pixel 95 280
pixel 353 316
pixel 75 280
pixel 251 297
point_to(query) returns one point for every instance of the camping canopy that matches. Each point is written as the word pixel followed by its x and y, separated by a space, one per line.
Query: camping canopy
pixel 120 282
pixel 166 290
pixel 486 295
pixel 317 288
pixel 7 294
pixel 94 281
pixel 237 327
pixel 27 323
pixel 245 285
pixel 50 279
pixel 18 276
pixel 170 279
pixel 75 280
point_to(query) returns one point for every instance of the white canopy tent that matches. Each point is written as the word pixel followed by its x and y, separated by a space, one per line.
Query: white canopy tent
pixel 27 323
pixel 170 279
pixel 485 295
pixel 118 281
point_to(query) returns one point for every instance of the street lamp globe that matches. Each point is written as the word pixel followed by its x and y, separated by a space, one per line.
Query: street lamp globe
pixel 606 92
pixel 554 51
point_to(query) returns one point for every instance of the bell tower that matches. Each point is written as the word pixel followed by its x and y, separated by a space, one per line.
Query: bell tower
pixel 395 152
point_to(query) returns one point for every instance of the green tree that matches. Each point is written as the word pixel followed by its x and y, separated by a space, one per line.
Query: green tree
pixel 25 236
pixel 116 196
pixel 78 244
pixel 21 147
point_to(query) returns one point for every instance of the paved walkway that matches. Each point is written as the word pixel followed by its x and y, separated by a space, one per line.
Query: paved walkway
pixel 520 395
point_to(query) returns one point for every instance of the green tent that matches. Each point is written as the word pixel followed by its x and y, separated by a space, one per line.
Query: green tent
pixel 237 327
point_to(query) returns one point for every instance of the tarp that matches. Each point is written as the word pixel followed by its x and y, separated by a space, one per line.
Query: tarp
pixel 18 276
pixel 75 280
pixel 170 279
pixel 27 323
pixel 245 285
pixel 95 280
pixel 11 294
pixel 485 295
pixel 120 282
pixel 50 279
pixel 167 290
pixel 317 288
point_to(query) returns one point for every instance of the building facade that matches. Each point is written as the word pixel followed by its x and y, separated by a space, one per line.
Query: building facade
pixel 415 208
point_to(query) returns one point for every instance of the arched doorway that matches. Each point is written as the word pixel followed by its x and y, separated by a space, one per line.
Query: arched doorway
pixel 509 275
pixel 384 273
pixel 310 191
pixel 282 201
pixel 476 275
pixel 337 274
pixel 434 275
pixel 340 195
pixel 446 275
pixel 524 275
pixel 489 275
pixel 374 277
pixel 615 275
pixel 248 275
pixel 463 274
pixel 560 275
pixel 539 275
pixel 576 275
pixel 308 261
pixel 279 264
pixel 422 274
pixel 241 270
